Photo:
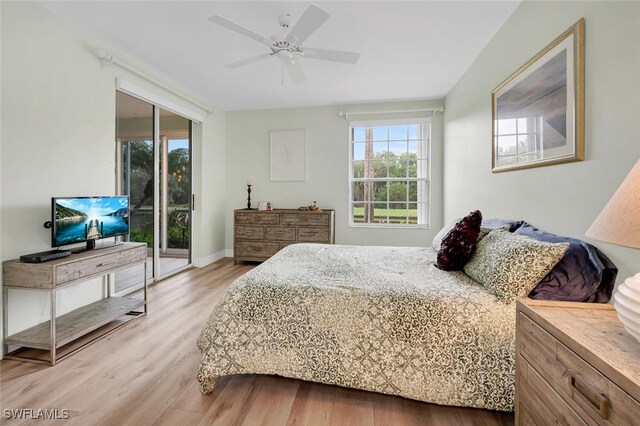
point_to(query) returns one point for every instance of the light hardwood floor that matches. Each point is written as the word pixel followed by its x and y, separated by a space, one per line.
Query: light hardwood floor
pixel 144 373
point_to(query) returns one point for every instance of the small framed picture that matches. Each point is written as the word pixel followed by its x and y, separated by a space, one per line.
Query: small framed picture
pixel 262 205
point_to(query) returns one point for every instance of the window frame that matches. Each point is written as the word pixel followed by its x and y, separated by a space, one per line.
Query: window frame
pixel 425 140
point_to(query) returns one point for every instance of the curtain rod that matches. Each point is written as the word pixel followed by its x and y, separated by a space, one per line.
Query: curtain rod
pixel 346 114
pixel 108 57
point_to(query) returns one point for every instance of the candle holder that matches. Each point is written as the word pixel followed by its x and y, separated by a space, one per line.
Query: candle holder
pixel 248 197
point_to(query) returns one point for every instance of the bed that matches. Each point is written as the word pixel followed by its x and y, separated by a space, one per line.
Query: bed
pixel 381 319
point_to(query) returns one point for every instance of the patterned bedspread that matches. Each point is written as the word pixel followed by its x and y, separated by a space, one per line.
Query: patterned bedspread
pixel 382 319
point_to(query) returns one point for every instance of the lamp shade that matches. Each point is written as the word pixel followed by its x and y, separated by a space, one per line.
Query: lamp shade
pixel 619 221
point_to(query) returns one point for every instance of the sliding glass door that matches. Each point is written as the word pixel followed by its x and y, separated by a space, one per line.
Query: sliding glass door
pixel 174 226
pixel 153 159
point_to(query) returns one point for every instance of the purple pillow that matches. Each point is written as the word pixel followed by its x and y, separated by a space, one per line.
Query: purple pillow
pixel 459 244
pixel 497 223
pixel 583 274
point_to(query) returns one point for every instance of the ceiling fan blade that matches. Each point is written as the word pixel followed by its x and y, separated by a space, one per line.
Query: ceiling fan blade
pixel 295 72
pixel 294 69
pixel 310 21
pixel 331 55
pixel 230 25
pixel 248 61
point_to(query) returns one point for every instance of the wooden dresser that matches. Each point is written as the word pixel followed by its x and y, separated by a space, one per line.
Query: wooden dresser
pixel 575 364
pixel 258 235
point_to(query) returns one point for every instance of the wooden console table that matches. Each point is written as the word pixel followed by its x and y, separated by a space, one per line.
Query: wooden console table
pixel 60 273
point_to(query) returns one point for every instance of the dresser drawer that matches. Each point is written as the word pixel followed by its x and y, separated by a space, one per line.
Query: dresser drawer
pixel 583 387
pixel 97 266
pixel 280 234
pixel 256 249
pixel 536 392
pixel 249 232
pixel 305 219
pixel 313 234
pixel 255 218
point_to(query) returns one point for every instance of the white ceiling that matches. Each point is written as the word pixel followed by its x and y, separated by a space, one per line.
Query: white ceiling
pixel 409 50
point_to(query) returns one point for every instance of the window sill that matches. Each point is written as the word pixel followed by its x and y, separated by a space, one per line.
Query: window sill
pixel 387 226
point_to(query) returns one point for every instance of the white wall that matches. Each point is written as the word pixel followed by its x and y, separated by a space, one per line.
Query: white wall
pixel 563 199
pixel 1 293
pixel 210 188
pixel 327 168
pixel 58 132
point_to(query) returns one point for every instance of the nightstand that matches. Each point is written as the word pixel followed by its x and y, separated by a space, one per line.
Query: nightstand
pixel 575 364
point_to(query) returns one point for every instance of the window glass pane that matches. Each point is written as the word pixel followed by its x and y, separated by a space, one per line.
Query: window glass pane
pixel 379 148
pixel 398 213
pixel 413 191
pixel 379 169
pixel 398 148
pixel 357 191
pixel 358 169
pixel 358 134
pixel 398 168
pixel 413 213
pixel 397 191
pixel 380 133
pixel 398 133
pixel 358 212
pixel 414 171
pixel 373 191
pixel 414 131
pixel 378 191
pixel 380 213
pixel 413 147
pixel 358 151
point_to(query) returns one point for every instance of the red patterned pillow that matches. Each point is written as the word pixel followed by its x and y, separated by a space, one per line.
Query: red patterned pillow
pixel 459 244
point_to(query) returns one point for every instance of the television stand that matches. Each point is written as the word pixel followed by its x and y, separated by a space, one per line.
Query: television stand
pixel 60 332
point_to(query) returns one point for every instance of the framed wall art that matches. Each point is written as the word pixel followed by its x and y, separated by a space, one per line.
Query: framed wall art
pixel 288 155
pixel 538 112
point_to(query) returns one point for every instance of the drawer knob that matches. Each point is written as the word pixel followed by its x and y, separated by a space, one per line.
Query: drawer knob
pixel 248 233
pixel 279 234
pixel 597 401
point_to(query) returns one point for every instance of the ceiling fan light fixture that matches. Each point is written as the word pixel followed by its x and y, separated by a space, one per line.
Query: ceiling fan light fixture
pixel 284 20
pixel 286 44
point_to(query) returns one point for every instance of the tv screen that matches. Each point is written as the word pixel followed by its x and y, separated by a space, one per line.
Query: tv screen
pixel 80 219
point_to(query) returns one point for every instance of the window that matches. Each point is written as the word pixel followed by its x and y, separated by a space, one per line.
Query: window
pixel 389 173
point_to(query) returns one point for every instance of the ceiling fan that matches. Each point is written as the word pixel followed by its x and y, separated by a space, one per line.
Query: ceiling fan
pixel 287 44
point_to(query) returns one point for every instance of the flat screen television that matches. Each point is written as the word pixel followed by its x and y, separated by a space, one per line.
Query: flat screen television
pixel 87 219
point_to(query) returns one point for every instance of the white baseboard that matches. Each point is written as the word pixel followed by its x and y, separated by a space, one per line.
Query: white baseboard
pixel 208 260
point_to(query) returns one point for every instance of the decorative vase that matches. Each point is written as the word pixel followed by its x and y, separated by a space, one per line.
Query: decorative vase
pixel 627 304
